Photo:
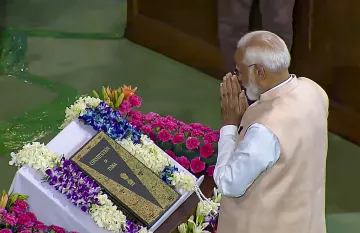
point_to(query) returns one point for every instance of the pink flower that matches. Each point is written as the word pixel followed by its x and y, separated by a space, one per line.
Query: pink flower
pixel 171 154
pixel 164 135
pixel 217 132
pixel 57 229
pixel 196 165
pixel 158 122
pixel 3 211
pixel 32 216
pixel 196 125
pixel 10 219
pixel 192 143
pixel 23 218
pixel 183 161
pixel 206 129
pixel 135 101
pixel 5 231
pixel 16 210
pixel 146 129
pixel 137 124
pixel 40 227
pixel 206 150
pixel 151 116
pixel 125 106
pixel 23 205
pixel 185 129
pixel 210 138
pixel 171 125
pixel 28 224
pixel 210 170
pixel 178 138
pixel 196 133
pixel 25 231
pixel 135 115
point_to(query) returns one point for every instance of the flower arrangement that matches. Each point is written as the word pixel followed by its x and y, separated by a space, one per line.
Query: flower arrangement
pixel 205 220
pixel 16 217
pixel 80 189
pixel 194 146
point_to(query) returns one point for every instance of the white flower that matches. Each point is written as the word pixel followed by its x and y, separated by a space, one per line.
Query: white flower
pixel 107 216
pixel 183 181
pixel 197 227
pixel 183 228
pixel 217 196
pixel 144 230
pixel 147 153
pixel 78 108
pixel 206 208
pixel 35 155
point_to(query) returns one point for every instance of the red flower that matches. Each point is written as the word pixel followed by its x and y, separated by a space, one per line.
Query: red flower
pixel 40 226
pixel 57 229
pixel 10 219
pixel 150 116
pixel 210 138
pixel 137 124
pixel 16 210
pixel 171 154
pixel 23 218
pixel 32 216
pixel 210 170
pixel 6 231
pixel 196 165
pixel 171 125
pixel 164 135
pixel 192 143
pixel 178 138
pixel 196 125
pixel 21 204
pixel 197 133
pixel 147 129
pixel 185 128
pixel 183 161
pixel 135 115
pixel 135 101
pixel 125 106
pixel 206 150
pixel 28 224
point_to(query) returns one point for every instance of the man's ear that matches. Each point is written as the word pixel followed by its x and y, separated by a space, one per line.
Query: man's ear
pixel 260 71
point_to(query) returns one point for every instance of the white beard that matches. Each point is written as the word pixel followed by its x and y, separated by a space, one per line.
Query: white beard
pixel 252 89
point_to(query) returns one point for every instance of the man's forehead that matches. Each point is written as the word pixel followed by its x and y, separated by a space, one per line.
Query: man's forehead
pixel 239 54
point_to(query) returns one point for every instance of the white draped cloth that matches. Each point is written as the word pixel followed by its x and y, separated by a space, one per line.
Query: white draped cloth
pixel 52 207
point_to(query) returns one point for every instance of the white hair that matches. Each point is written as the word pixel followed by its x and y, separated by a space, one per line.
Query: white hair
pixel 270 51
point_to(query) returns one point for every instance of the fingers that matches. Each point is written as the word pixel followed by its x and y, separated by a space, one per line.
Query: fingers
pixel 235 86
pixel 227 83
pixel 243 103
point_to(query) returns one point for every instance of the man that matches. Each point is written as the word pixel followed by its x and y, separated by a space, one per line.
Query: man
pixel 272 155
pixel 233 22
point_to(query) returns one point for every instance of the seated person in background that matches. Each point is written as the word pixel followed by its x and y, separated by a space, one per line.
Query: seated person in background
pixel 272 155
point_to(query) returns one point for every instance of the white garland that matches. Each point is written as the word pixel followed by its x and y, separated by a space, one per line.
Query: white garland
pixel 78 108
pixel 35 155
pixel 107 216
pixel 156 160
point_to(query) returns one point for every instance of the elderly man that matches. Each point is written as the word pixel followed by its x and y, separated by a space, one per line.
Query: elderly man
pixel 272 155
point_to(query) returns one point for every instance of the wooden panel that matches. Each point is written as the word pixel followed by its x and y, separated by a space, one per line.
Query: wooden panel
pixel 325 45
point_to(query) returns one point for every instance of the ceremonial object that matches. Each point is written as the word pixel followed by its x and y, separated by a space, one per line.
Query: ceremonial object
pixel 140 193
